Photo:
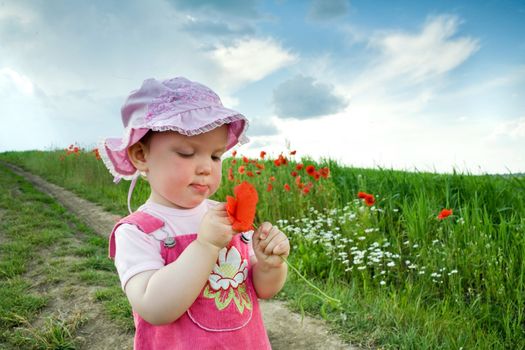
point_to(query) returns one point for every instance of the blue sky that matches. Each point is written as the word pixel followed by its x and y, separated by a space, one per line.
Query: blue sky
pixel 427 85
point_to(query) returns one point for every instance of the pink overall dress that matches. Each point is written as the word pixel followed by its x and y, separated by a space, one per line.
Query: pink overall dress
pixel 225 315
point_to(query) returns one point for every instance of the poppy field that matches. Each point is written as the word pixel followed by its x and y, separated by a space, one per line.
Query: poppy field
pixel 418 260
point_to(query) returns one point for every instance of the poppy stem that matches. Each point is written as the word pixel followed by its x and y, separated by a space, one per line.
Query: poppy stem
pixel 329 298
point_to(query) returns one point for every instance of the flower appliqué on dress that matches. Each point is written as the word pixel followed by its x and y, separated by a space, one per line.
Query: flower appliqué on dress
pixel 227 281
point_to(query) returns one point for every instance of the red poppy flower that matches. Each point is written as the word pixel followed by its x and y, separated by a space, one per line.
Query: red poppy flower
pixel 234 161
pixel 294 173
pixel 316 175
pixel 298 180
pixel 277 162
pixel 369 198
pixel 306 190
pixel 299 166
pixel 269 188
pixel 245 159
pixel 97 154
pixel 325 172
pixel 283 159
pixel 444 213
pixel 259 165
pixel 263 154
pixel 241 169
pixel 272 178
pixel 249 173
pixel 293 153
pixel 258 172
pixel 310 169
pixel 234 153
pixel 287 187
pixel 241 208
pixel 230 174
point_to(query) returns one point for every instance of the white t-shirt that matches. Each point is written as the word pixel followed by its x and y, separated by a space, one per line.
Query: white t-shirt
pixel 137 252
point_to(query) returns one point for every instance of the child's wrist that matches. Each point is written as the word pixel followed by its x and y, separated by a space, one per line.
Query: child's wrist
pixel 265 267
pixel 209 246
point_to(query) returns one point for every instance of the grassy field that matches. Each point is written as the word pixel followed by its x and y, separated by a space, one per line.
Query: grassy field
pixel 53 272
pixel 406 279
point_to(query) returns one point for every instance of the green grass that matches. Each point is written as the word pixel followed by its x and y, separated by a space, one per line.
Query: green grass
pixel 405 278
pixel 36 257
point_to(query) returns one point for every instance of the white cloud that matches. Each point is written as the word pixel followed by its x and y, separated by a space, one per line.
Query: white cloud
pixel 513 129
pixel 399 142
pixel 432 52
pixel 21 82
pixel 249 60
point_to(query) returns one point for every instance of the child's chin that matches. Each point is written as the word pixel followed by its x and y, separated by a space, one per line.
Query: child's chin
pixel 192 204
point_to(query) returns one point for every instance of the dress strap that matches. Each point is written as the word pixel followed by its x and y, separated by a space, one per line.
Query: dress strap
pixel 145 222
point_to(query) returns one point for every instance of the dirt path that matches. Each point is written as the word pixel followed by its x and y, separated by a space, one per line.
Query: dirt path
pixel 283 326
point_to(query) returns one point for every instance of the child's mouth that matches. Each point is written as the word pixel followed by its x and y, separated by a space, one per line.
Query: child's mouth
pixel 199 188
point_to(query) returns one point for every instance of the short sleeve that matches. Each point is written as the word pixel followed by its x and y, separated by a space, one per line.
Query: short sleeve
pixel 135 252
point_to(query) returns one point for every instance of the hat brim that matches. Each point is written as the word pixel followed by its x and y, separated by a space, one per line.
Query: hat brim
pixel 114 151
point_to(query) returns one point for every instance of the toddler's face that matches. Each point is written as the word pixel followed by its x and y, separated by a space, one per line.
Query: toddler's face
pixel 185 170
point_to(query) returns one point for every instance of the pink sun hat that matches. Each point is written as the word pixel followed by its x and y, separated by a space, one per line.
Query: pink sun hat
pixel 177 104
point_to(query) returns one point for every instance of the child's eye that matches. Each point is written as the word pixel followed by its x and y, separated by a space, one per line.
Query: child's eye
pixel 216 158
pixel 185 155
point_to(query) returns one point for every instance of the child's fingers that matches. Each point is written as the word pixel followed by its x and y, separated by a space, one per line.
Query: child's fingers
pixel 276 239
pixel 263 244
pixel 282 248
pixel 264 230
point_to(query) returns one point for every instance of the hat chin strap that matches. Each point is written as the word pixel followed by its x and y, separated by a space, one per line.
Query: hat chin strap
pixel 130 191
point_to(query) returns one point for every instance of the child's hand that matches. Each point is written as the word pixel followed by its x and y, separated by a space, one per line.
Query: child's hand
pixel 269 244
pixel 216 228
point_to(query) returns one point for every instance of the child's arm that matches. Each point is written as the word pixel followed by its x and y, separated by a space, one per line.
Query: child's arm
pixel 269 271
pixel 162 296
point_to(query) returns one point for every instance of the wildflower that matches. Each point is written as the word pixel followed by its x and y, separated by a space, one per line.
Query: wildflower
pixel 96 153
pixel 293 153
pixel 241 208
pixel 272 178
pixel 444 213
pixel 234 161
pixel 230 174
pixel 369 198
pixel 306 190
pixel 263 154
pixel 258 172
pixel 298 180
pixel 241 169
pixel 234 153
pixel 277 162
pixel 283 159
pixel 269 188
pixel 249 173
pixel 316 175
pixel 286 187
pixel 325 172
pixel 259 166
pixel 293 173
pixel 245 159
pixel 310 169
pixel 299 167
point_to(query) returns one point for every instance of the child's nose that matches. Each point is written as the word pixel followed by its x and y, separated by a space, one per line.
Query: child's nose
pixel 204 166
